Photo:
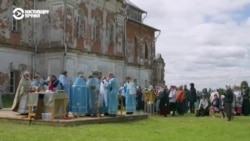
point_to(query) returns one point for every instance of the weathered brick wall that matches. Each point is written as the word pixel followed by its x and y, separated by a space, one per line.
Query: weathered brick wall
pixel 138 38
pixel 22 36
pixel 60 26
pixel 96 13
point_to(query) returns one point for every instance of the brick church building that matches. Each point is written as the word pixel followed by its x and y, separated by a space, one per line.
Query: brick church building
pixel 78 35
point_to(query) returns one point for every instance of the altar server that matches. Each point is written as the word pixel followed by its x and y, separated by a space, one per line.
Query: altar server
pixel 104 96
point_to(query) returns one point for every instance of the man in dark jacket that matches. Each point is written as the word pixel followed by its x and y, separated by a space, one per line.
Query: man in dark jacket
pixel 164 101
pixel 139 99
pixel 228 102
pixel 187 99
pixel 192 97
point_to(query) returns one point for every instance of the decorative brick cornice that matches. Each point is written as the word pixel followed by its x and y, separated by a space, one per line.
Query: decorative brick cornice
pixel 77 51
pixel 17 47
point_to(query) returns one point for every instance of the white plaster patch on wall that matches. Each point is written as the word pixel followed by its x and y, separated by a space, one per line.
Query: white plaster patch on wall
pixel 43 24
pixel 4 4
pixel 120 72
pixel 56 32
pixel 27 33
pixel 105 67
pixel 14 57
pixel 45 30
pixel 119 36
pixel 5 20
pixel 145 76
pixel 70 68
pixel 54 65
pixel 70 25
pixel 130 52
pixel 41 65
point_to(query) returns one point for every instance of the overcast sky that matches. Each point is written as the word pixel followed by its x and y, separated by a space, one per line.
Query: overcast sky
pixel 202 41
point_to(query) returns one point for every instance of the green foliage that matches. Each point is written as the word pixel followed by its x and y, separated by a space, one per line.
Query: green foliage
pixel 244 84
pixel 221 91
pixel 156 128
pixel 7 100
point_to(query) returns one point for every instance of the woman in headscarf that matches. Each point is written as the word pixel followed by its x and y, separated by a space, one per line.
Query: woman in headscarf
pixel 172 100
pixel 180 96
pixel 203 106
pixel 215 105
pixel 245 93
pixel 162 101
pixel 238 101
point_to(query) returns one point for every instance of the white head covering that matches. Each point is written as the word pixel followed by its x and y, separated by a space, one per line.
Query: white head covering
pixel 222 96
pixel 26 73
pixel 150 87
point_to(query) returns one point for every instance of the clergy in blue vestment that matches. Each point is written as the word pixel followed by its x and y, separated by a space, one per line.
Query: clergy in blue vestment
pixel 94 87
pixel 80 97
pixel 103 96
pixel 65 82
pixel 130 94
pixel 113 90
pixel 66 85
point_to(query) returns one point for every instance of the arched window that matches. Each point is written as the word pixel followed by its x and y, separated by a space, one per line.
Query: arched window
pixel 96 29
pixel 146 51
pixel 14 21
pixel 135 47
pixel 80 24
pixel 110 32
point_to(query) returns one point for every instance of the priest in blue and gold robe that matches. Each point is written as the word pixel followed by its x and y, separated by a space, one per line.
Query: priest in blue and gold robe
pixel 130 94
pixel 80 97
pixel 113 89
pixel 66 85
pixel 94 87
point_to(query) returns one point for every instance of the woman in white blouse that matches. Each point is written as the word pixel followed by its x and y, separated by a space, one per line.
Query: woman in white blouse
pixel 203 106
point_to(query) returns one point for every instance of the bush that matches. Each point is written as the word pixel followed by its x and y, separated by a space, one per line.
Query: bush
pixel 7 100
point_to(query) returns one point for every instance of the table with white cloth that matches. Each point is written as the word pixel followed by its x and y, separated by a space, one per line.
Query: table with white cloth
pixel 53 101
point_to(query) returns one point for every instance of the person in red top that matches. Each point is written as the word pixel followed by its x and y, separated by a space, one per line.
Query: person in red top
pixel 54 83
pixel 180 96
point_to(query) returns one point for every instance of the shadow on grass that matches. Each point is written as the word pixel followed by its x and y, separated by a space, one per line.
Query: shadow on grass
pixel 7 100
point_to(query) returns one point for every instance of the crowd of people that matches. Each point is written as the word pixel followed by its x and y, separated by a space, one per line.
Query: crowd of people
pixel 228 102
pixel 100 95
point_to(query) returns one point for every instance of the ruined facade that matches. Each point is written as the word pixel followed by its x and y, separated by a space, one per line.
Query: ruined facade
pixel 157 76
pixel 76 35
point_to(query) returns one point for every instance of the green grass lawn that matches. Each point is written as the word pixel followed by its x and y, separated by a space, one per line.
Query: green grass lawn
pixel 156 128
